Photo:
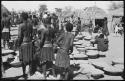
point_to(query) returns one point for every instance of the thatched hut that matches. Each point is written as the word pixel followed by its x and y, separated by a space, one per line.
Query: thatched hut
pixel 4 10
pixel 93 13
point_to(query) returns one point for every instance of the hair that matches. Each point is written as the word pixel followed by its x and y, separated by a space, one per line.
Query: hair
pixel 45 12
pixel 69 27
pixel 24 15
pixel 34 16
pixel 79 18
pixel 101 36
pixel 105 18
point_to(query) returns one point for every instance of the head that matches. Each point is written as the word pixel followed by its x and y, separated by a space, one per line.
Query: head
pixel 48 14
pixel 45 12
pixel 105 18
pixel 101 36
pixel 78 18
pixel 34 16
pixel 24 15
pixel 69 27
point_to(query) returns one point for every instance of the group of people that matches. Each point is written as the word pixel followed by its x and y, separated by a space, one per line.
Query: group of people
pixel 41 51
pixel 39 40
pixel 118 29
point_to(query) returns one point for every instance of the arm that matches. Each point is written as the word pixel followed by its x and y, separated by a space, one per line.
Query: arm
pixel 42 38
pixel 20 35
pixel 59 39
pixel 71 44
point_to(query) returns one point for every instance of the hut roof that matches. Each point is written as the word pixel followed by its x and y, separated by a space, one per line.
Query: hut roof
pixel 4 10
pixel 93 12
pixel 117 12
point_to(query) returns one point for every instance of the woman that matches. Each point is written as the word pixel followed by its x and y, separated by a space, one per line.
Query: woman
pixel 6 30
pixel 46 36
pixel 65 42
pixel 102 43
pixel 25 43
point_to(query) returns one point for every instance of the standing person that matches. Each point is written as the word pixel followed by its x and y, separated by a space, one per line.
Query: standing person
pixel 78 29
pixel 65 42
pixel 116 29
pixel 121 29
pixel 90 27
pixel 6 30
pixel 105 30
pixel 25 43
pixel 46 36
pixel 35 24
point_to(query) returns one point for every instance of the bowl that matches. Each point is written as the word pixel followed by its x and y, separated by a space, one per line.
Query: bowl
pixel 81 49
pixel 118 61
pixel 92 54
pixel 113 71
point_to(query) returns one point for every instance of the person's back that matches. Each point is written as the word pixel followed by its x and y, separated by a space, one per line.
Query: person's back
pixel 25 30
pixel 102 44
pixel 66 40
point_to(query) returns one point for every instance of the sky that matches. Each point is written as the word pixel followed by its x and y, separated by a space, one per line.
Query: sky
pixel 34 5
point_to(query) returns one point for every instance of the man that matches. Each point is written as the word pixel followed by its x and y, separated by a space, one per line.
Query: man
pixel 105 30
pixel 78 29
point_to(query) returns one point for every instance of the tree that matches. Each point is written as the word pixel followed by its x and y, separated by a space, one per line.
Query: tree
pixel 67 10
pixel 58 11
pixel 115 5
pixel 42 8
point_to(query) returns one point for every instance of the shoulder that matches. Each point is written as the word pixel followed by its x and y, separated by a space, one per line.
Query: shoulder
pixel 21 25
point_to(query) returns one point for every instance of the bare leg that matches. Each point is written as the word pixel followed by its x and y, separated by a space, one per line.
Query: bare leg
pixel 53 71
pixel 24 69
pixel 66 75
pixel 44 70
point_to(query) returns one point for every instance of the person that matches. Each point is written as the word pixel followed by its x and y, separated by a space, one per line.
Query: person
pixel 65 43
pixel 5 30
pixel 78 29
pixel 102 43
pixel 120 29
pixel 61 31
pixel 46 56
pixel 35 24
pixel 25 43
pixel 96 29
pixel 116 29
pixel 105 30
pixel 90 27
pixel 55 23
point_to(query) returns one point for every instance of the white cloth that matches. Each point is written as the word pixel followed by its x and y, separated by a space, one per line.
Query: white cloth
pixel 44 16
pixel 5 30
pixel 116 29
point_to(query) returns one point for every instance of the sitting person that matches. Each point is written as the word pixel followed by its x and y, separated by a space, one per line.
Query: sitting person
pixel 102 43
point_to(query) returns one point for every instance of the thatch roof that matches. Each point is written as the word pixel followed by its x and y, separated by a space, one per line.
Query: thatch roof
pixel 117 12
pixel 94 13
pixel 4 10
